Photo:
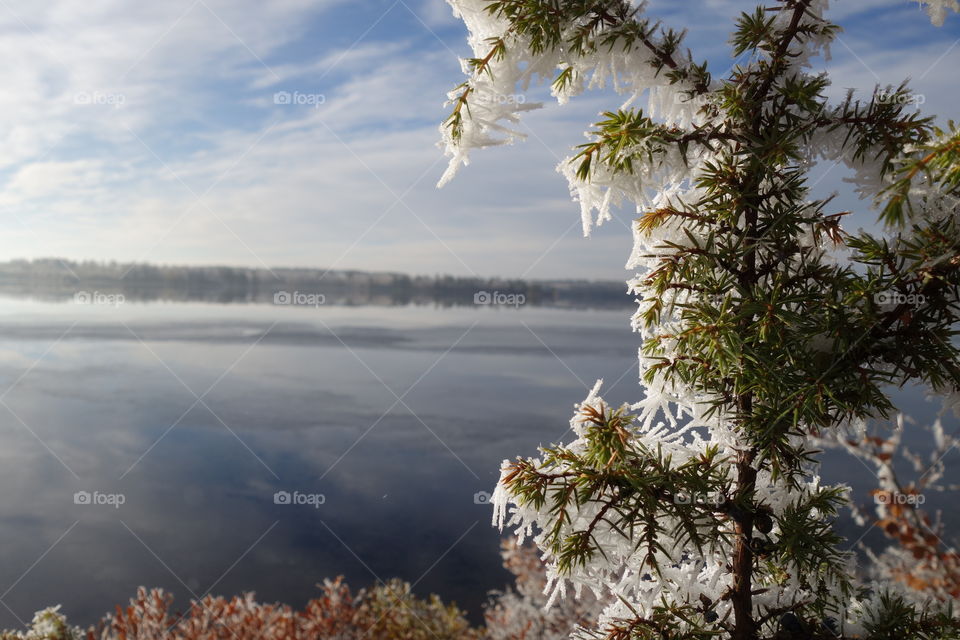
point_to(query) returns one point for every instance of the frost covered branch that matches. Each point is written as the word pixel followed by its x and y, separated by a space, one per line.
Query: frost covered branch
pixel 699 510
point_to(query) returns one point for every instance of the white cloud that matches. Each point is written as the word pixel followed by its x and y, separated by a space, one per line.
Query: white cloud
pixel 293 185
pixel 436 13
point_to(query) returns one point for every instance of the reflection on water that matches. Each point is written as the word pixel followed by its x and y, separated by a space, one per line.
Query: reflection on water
pixel 55 280
pixel 199 414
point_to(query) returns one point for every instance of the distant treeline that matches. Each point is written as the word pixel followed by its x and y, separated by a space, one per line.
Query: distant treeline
pixel 54 279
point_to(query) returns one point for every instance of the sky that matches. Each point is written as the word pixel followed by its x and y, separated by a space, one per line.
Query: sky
pixel 303 133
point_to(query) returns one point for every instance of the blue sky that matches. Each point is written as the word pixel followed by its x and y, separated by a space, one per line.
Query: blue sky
pixel 149 132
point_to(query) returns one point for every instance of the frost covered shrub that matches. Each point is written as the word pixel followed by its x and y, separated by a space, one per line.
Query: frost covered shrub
pixel 698 511
pixel 519 613
pixel 388 611
pixel 48 624
pixel 918 556
pixel 392 611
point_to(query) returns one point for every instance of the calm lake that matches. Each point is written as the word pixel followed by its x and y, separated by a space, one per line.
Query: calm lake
pixel 231 448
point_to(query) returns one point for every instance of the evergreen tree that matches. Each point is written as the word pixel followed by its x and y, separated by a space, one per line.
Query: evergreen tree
pixel 700 507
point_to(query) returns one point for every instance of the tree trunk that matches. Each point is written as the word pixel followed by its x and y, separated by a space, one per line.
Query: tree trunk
pixel 744 625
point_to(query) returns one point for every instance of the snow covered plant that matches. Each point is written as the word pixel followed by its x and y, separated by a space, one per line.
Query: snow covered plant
pixel 698 511
pixel 518 613
pixel 918 556
pixel 387 611
pixel 48 624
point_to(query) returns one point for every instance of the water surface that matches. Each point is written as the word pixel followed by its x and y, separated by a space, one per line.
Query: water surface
pixel 198 414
